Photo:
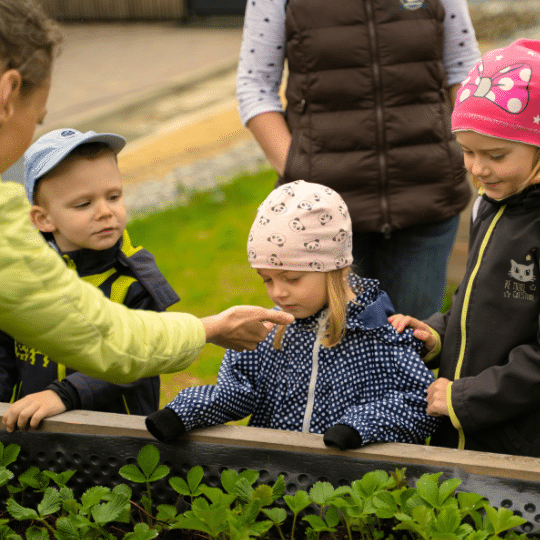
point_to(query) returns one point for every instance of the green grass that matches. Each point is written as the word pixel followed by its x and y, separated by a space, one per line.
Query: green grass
pixel 201 250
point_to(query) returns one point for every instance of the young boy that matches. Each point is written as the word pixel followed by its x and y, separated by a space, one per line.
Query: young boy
pixel 74 185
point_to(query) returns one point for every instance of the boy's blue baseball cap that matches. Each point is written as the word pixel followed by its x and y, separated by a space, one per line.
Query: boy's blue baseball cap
pixel 50 149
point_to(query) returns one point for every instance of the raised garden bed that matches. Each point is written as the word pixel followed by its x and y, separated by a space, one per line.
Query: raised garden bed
pixel 97 445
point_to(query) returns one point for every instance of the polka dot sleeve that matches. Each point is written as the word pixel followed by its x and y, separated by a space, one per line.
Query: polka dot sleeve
pixel 460 47
pixel 262 53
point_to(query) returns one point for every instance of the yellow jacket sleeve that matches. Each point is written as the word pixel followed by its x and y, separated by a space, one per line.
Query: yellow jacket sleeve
pixel 46 306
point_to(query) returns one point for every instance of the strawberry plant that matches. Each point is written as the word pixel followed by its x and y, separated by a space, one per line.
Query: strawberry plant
pixel 380 505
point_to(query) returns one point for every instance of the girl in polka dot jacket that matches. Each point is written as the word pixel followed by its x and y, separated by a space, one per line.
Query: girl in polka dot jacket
pixel 340 369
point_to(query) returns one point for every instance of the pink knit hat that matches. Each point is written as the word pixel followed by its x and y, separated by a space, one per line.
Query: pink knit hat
pixel 501 95
pixel 301 226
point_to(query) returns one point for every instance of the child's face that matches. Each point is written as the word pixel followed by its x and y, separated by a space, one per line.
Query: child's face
pixel 82 204
pixel 300 293
pixel 19 124
pixel 502 167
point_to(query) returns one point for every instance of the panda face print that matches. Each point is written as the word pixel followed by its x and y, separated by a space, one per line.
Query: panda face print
pixel 325 218
pixel 314 245
pixel 277 239
pixel 288 190
pixel 278 208
pixel 274 260
pixel 340 237
pixel 317 266
pixel 305 205
pixel 263 221
pixel 250 237
pixel 251 254
pixel 328 191
pixel 296 225
pixel 342 211
pixel 340 262
pixel 316 197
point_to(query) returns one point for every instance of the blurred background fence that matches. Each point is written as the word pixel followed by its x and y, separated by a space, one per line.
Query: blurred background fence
pixel 132 10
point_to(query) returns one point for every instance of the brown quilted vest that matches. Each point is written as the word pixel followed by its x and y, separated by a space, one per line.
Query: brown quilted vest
pixel 369 112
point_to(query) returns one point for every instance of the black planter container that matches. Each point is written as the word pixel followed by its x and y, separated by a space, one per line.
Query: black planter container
pixel 97 445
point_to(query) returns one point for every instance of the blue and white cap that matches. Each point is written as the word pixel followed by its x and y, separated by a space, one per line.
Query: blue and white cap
pixel 50 149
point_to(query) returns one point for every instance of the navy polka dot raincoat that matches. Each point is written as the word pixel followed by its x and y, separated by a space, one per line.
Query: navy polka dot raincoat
pixel 373 380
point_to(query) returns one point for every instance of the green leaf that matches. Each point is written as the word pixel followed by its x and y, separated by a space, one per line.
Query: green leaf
pixel 5 476
pixel 317 524
pixel 447 489
pixel 148 459
pixel 447 522
pixel 370 483
pixel 179 485
pixel 133 473
pixel 243 490
pixel 321 492
pixel 277 515
pixel 229 477
pixel 278 489
pixel 502 519
pixel 66 529
pixel 216 495
pixel 37 533
pixel 428 489
pixel 34 478
pixel 297 503
pixel 264 493
pixel 60 479
pixel 142 531
pixel 385 504
pixel 194 478
pixel 19 512
pixel 8 454
pixel 50 503
pixel 166 512
pixel 93 496
pixel 159 472
pixel 332 516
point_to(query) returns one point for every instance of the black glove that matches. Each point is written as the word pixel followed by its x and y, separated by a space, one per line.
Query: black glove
pixel 345 437
pixel 165 425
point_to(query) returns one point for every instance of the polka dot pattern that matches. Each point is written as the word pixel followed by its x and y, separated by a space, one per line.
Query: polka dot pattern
pixel 373 381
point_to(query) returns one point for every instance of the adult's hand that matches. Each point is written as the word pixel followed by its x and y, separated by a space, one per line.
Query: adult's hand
pixel 242 327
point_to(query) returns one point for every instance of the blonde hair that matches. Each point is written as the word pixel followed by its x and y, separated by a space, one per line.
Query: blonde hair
pixel 336 316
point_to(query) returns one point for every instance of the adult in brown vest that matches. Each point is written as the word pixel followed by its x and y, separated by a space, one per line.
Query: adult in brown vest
pixel 367 114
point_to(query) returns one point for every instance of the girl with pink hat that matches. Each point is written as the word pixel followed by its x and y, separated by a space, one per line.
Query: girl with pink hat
pixel 340 369
pixel 487 346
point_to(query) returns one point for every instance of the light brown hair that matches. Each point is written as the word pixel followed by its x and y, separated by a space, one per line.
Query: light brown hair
pixel 336 317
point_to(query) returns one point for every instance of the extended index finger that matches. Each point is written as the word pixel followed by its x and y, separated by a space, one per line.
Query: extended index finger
pixel 277 317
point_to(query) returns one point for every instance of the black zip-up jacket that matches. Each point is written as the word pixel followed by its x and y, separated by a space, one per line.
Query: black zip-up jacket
pixel 490 337
pixel 125 274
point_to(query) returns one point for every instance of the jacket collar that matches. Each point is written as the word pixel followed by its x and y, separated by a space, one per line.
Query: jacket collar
pixel 368 311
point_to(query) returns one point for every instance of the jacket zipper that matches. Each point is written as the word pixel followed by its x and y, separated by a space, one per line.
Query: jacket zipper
pixel 311 389
pixel 381 139
pixel 464 311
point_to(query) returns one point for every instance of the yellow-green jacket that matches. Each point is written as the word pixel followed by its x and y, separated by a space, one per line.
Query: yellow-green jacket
pixel 45 305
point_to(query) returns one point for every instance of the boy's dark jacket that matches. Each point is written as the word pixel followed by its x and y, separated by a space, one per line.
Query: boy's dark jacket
pixel 490 337
pixel 125 274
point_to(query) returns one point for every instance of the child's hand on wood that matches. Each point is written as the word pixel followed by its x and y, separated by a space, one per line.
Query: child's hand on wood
pixel 32 409
pixel 421 330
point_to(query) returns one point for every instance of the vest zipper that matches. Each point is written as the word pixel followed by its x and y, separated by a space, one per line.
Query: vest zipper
pixel 381 139
pixel 464 311
pixel 312 383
